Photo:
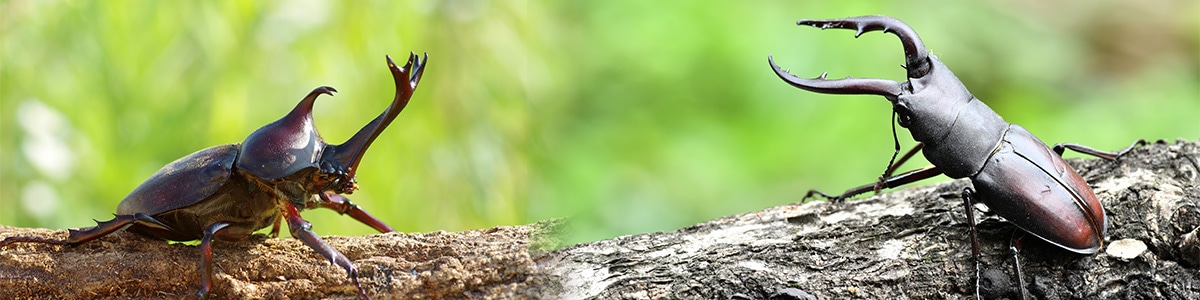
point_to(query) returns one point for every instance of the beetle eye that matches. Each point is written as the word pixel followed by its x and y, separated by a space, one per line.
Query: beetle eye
pixel 904 116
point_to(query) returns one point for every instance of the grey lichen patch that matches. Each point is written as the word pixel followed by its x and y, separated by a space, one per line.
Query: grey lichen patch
pixel 1126 249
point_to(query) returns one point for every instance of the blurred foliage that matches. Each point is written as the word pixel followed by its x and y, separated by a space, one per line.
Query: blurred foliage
pixel 625 116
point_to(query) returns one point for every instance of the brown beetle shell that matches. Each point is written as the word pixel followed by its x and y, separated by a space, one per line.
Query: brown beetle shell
pixel 182 182
pixel 1041 194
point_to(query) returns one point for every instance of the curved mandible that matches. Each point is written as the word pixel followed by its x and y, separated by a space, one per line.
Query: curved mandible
pixel 915 57
pixel 883 87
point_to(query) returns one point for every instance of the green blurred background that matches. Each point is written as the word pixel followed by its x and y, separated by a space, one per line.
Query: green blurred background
pixel 624 116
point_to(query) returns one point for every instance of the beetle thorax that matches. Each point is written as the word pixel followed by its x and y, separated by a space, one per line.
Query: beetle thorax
pixel 286 146
pixel 958 130
pixel 300 189
pixel 934 104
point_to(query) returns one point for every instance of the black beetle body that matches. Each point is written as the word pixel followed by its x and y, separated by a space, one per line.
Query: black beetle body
pixel 232 190
pixel 1016 174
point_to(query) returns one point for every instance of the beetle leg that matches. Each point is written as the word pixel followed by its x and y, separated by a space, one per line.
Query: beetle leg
pixel 968 196
pixel 822 194
pixel 1015 245
pixel 302 230
pixel 101 229
pixel 275 228
pixel 1059 148
pixel 206 269
pixel 110 226
pixel 895 164
pixel 343 206
pixel 891 182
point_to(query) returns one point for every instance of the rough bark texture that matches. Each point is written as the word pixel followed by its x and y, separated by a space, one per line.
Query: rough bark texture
pixel 912 243
pixel 490 263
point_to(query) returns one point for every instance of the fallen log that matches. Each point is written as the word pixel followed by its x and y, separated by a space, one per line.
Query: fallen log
pixel 913 243
pixel 909 243
pixel 493 263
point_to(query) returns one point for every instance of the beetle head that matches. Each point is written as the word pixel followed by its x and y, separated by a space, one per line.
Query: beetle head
pixel 926 104
pixel 287 145
pixel 929 108
pixel 339 163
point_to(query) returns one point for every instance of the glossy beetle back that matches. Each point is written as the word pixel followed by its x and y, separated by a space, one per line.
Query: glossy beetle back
pixel 1032 187
pixel 182 182
pixel 287 145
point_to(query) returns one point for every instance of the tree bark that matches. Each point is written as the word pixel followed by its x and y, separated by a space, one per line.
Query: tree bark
pixel 913 243
pixel 493 263
pixel 909 243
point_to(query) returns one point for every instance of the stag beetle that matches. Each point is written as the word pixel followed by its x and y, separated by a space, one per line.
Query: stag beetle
pixel 1013 172
pixel 232 190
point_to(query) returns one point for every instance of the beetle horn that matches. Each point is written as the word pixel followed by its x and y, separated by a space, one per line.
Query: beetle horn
pixel 286 145
pixel 348 154
pixel 916 58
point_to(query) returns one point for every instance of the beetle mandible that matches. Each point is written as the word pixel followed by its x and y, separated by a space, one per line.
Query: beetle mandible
pixel 232 190
pixel 1013 172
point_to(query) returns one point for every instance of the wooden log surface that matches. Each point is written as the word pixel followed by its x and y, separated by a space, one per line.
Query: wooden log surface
pixel 908 243
pixel 913 244
pixel 494 263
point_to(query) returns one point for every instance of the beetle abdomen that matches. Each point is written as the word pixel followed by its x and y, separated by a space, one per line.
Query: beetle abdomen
pixel 1041 194
pixel 182 182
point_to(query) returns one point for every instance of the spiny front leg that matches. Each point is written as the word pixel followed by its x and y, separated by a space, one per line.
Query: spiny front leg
pixel 302 230
pixel 968 196
pixel 206 268
pixel 890 182
pixel 1109 155
pixel 342 205
pixel 101 229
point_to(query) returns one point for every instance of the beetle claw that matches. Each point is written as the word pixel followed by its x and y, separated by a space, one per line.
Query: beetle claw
pixel 147 220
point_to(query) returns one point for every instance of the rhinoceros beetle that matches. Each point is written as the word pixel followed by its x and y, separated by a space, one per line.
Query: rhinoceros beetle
pixel 232 190
pixel 1013 172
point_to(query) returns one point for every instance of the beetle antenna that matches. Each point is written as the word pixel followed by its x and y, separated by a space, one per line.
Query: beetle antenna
pixel 891 163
